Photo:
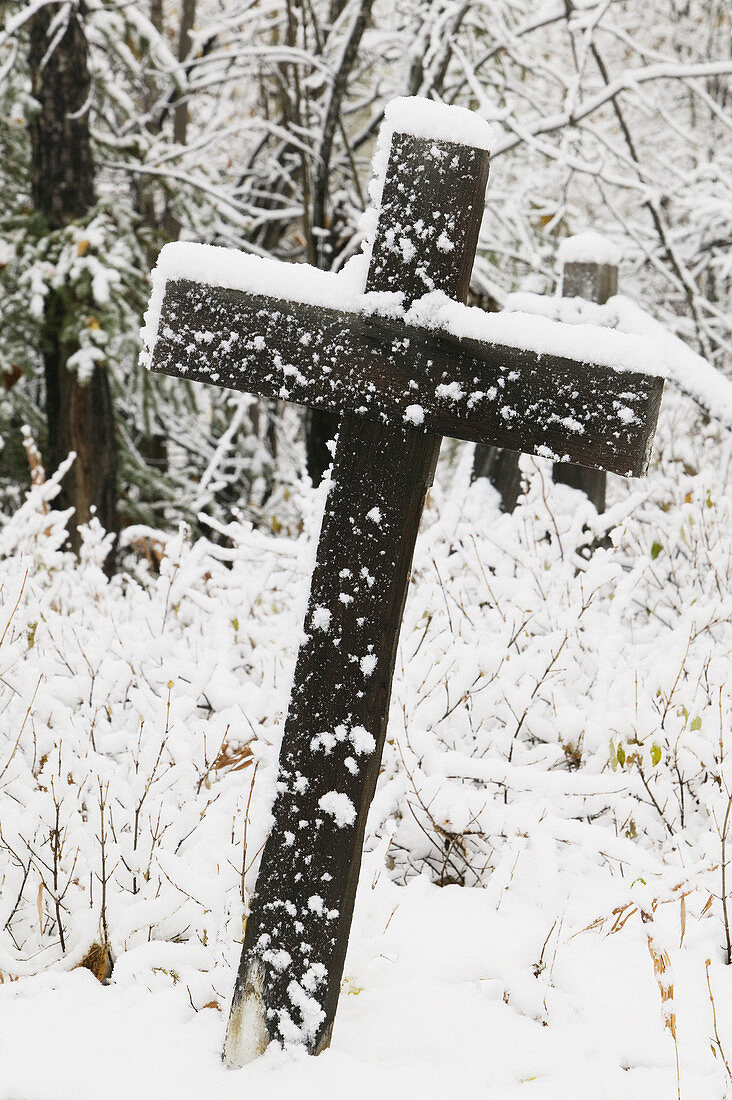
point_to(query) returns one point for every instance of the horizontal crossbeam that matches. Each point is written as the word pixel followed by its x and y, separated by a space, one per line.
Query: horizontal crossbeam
pixel 407 376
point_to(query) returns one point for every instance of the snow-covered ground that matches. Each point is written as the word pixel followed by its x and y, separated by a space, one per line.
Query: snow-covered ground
pixel 448 992
pixel 541 886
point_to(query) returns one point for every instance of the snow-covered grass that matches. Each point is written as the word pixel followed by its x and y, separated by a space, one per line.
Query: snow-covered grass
pixel 557 741
pixel 447 992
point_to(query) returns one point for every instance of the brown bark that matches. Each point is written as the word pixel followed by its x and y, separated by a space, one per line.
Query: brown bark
pixel 180 113
pixel 80 416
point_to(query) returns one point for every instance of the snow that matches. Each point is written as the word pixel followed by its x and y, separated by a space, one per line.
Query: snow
pixel 280 960
pixel 681 365
pixel 424 118
pixel 368 664
pixel 320 619
pixel 531 332
pixel 362 741
pixel 314 976
pixel 311 1012
pixel 534 693
pixel 449 391
pixel 589 247
pixel 414 414
pixel 339 806
pixel 474 1022
pixel 302 283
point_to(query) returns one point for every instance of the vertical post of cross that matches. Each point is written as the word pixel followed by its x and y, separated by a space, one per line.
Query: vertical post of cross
pixel 297 932
pixel 596 280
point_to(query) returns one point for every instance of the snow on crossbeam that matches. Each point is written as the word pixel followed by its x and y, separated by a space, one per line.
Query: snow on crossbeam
pixel 589 247
pixel 227 268
pixel 683 368
pixel 567 392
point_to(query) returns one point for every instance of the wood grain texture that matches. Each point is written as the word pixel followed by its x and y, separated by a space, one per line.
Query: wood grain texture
pixel 381 369
pixel 336 723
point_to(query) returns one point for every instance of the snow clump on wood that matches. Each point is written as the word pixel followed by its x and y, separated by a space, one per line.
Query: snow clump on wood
pixel 339 806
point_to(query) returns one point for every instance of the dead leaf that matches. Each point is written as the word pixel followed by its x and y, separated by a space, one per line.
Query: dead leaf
pixel 98 959
pixel 234 757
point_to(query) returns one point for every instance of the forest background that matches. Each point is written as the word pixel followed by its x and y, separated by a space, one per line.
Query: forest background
pixel 127 124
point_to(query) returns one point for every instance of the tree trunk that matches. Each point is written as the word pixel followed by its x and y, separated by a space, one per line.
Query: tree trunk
pixel 80 416
pixel 501 466
pixel 171 224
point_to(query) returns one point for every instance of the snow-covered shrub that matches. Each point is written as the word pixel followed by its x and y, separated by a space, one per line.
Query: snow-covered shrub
pixel 123 704
pixel 545 701
pixel 543 690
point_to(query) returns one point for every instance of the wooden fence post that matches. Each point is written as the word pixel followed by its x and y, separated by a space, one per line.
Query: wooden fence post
pixel 595 279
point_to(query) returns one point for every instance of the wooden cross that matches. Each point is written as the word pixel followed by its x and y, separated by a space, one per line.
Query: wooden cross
pixel 398 389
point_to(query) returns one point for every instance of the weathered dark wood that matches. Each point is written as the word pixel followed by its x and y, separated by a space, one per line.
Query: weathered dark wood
pixel 381 369
pixel 297 932
pixel 596 283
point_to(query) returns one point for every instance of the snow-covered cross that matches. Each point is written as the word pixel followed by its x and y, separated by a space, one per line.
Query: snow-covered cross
pixel 403 363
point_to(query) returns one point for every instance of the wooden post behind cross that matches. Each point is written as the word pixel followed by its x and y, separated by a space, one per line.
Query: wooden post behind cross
pixel 398 388
pixel 596 281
